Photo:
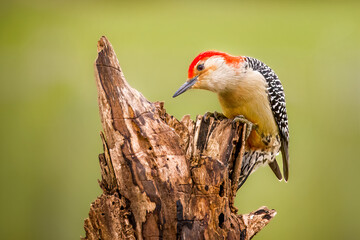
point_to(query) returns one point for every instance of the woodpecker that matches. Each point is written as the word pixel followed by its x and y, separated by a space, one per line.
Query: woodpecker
pixel 248 91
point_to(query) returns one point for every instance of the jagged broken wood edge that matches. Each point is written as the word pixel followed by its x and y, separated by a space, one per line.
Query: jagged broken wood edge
pixel 112 215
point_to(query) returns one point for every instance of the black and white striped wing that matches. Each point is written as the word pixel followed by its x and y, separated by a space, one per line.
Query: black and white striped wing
pixel 278 106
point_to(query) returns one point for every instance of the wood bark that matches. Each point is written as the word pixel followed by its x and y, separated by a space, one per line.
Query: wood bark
pixel 163 178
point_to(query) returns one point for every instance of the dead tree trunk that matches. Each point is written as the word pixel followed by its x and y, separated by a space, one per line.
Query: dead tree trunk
pixel 163 178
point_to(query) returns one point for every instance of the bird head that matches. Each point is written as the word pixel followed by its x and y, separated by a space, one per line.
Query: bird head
pixel 214 71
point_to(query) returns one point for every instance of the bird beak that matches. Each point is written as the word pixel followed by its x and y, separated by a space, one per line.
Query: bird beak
pixel 186 86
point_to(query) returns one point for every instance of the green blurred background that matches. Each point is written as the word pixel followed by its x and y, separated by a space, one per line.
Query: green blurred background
pixel 49 115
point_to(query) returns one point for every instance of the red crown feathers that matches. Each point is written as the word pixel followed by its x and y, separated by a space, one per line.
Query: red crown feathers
pixel 229 59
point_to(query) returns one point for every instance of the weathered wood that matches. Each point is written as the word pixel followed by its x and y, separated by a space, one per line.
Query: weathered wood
pixel 237 171
pixel 163 178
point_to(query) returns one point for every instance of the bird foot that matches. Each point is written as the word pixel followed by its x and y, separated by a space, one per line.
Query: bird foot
pixel 216 115
pixel 249 125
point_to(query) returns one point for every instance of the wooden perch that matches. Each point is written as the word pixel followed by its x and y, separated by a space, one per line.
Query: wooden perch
pixel 163 178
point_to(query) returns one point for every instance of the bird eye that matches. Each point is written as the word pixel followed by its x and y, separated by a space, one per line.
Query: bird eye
pixel 200 67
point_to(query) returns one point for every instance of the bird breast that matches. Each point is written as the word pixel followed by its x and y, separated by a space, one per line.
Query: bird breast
pixel 248 97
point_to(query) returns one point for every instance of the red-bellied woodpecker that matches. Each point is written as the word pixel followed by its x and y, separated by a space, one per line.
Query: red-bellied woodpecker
pixel 248 91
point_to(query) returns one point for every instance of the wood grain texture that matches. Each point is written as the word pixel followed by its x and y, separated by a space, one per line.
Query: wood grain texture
pixel 163 178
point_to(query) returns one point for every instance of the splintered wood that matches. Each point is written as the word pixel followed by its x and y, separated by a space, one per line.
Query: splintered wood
pixel 163 178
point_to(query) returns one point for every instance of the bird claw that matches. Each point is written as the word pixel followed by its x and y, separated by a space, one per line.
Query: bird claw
pixel 219 116
pixel 208 115
pixel 249 125
pixel 216 115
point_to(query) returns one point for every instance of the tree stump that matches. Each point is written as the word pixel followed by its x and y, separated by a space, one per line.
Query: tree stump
pixel 163 178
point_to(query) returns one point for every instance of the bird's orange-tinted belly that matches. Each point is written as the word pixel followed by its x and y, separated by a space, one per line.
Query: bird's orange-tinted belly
pixel 256 110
